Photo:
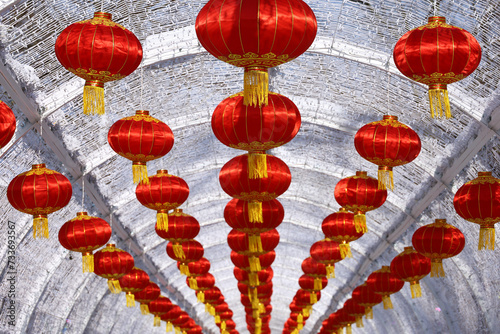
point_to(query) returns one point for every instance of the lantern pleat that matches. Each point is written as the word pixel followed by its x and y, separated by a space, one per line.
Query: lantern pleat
pixel 384 283
pixel 7 124
pixel 146 295
pixel 112 263
pixel 411 266
pixel 340 227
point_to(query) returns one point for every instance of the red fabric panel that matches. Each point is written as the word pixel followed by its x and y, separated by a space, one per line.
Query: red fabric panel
pixel 84 234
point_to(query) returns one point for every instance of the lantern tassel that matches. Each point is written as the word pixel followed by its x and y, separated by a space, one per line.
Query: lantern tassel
pixel 416 291
pixel 40 227
pixel 345 250
pixel 223 325
pixel 179 252
pixel 200 296
pixel 255 212
pixel 255 244
pixel 217 319
pixel 169 326
pixel 360 222
pixel 257 165
pixel 184 269
pixel 438 99
pixel 177 330
pixel 295 331
pixel 387 302
pixel 254 279
pixel 385 178
pixel 255 303
pixel 130 299
pixel 255 313
pixel 261 308
pixel 254 264
pixel 330 271
pixel 368 313
pixel 348 329
pixel 486 238
pixel 88 262
pixel 300 318
pixel 193 283
pixel 300 326
pixel 162 221
pixel 306 312
pixel 318 283
pixel 211 310
pixel 252 294
pixel 359 322
pixel 157 321
pixel 255 87
pixel 144 309
pixel 313 299
pixel 114 286
pixel 437 269
pixel 140 173
pixel 93 99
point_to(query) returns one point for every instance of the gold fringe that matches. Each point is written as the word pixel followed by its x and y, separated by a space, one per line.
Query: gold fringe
pixel 385 180
pixel 438 98
pixel 340 330
pixel 256 303
pixel 157 321
pixel 184 269
pixel 207 308
pixel 255 313
pixel 140 174
pixel 193 283
pixel 144 309
pixel 177 330
pixel 345 250
pixel 318 283
pixel 255 88
pixel 217 319
pixel 200 296
pixel 254 264
pixel 486 238
pixel 162 221
pixel 360 223
pixel 416 291
pixel 255 244
pixel 40 227
pixel 130 299
pixel 254 279
pixel 369 313
pixel 387 302
pixel 330 271
pixel 88 263
pixel 114 286
pixel 300 326
pixel 223 326
pixel 255 212
pixel 300 318
pixel 359 322
pixel 169 326
pixel 93 100
pixel 348 329
pixel 261 308
pixel 179 252
pixel 295 331
pixel 437 269
pixel 257 165
pixel 306 312
pixel 211 310
pixel 313 299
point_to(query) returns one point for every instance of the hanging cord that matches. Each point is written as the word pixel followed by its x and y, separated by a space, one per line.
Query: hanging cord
pixel 142 85
pixel 388 90
pixel 83 191
pixel 102 5
pixel 435 7
pixel 41 140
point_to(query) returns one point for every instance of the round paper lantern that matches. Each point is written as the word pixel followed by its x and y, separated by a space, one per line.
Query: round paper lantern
pixel 256 129
pixel 352 308
pixel 256 36
pixel 132 282
pixel 185 252
pixel 253 263
pixel 196 268
pixel 146 295
pixel 387 143
pixel 360 194
pixel 411 266
pixel 195 330
pixel 158 307
pixel 346 320
pixel 140 138
pixel 437 54
pixel 237 215
pixel 172 315
pixel 312 284
pixel 253 245
pixel 98 50
pixel 203 283
pixel 304 297
pixel 340 227
pixel 384 283
pixel 84 234
pixel 478 201
pixel 327 252
pixel 112 263
pixel 211 295
pixel 164 192
pixel 365 297
pixel 181 227
pixel 7 124
pixel 39 192
pixel 313 268
pixel 438 241
pixel 180 320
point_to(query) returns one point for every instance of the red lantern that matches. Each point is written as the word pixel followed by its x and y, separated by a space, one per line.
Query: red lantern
pixel 304 297
pixel 387 143
pixel 352 308
pixel 211 295
pixel 384 283
pixel 253 279
pixel 185 252
pixel 203 283
pixel 346 320
pixel 132 282
pixel 437 54
pixel 159 307
pixel 327 252
pixel 253 245
pixel 340 227
pixel 256 129
pixel 365 297
pixel 85 234
pixel 410 266
pixel 180 320
pixel 140 138
pixel 181 227
pixel 146 295
pixel 237 215
pixel 7 124
pixel 112 263
pixel 98 50
pixel 256 36
pixel 313 268
pixel 253 263
pixel 172 315
pixel 39 192
pixel 164 192
pixel 195 330
pixel 438 241
pixel 196 268
pixel 478 201
pixel 312 284
pixel 360 194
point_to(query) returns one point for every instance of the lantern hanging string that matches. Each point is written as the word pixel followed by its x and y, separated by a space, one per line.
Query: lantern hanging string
pixel 102 5
pixel 142 84
pixel 83 190
pixel 41 140
pixel 435 7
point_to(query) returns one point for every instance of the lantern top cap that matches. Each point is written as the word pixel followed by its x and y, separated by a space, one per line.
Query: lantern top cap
pixel 437 19
pixel 103 15
pixel 142 112
pixel 110 245
pixel 343 210
pixel 385 269
pixel 361 173
pixel 391 117
pixel 81 213
pixel 440 221
pixel 162 171
pixel 409 248
pixel 37 166
pixel 482 174
pixel 177 210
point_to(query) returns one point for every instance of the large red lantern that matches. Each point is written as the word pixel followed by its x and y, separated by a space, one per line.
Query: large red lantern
pixel 438 241
pixel 253 263
pixel 196 268
pixel 140 138
pixel 237 215
pixel 162 193
pixel 185 252
pixel 411 266
pixel 360 194
pixel 112 263
pixel 7 124
pixel 340 227
pixel 39 192
pixel 132 282
pixel 253 245
pixel 365 297
pixel 159 307
pixel 327 252
pixel 98 50
pixel 256 35
pixel 146 295
pixel 256 129
pixel 352 308
pixel 181 227
pixel 387 143
pixel 478 201
pixel 384 283
pixel 84 234
pixel 437 54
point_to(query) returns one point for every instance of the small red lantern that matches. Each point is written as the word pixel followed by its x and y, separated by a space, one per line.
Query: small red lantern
pixel 164 192
pixel 203 283
pixel 39 192
pixel 132 282
pixel 365 297
pixel 438 241
pixel 437 54
pixel 211 295
pixel 159 307
pixel 237 215
pixel 411 266
pixel 312 284
pixel 387 143
pixel 360 194
pixel 140 138
pixel 185 252
pixel 253 245
pixel 253 263
pixel 85 234
pixel 313 268
pixel 340 227
pixel 352 308
pixel 253 279
pixel 346 320
pixel 7 124
pixel 172 315
pixel 478 201
pixel 304 298
pixel 98 50
pixel 327 252
pixel 112 263
pixel 180 321
pixel 384 283
pixel 196 268
pixel 181 227
pixel 146 295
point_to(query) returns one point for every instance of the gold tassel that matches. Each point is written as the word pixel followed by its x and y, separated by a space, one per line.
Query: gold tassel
pixel 330 271
pixel 207 308
pixel 177 330
pixel 200 296
pixel 437 269
pixel 255 244
pixel 88 262
pixel 340 330
pixel 387 302
pixel 157 321
pixel 93 99
pixel 345 250
pixel 252 294
pixel 162 221
pixel 254 279
pixel 254 264
pixel 255 86
pixel 359 322
pixel 300 318
pixel 130 299
pixel 438 98
pixel 179 252
pixel 306 312
pixel 223 326
pixel 416 291
pixel 255 303
pixel 255 212
pixel 385 178
pixel 369 313
pixel 300 326
pixel 261 308
pixel 211 310
pixel 255 313
pixel 486 238
pixel 114 286
pixel 257 165
pixel 144 309
pixel 169 326
pixel 40 227
pixel 360 222
pixel 295 331
pixel 184 269
pixel 193 283
pixel 140 173
pixel 348 329
pixel 217 319
pixel 313 299
pixel 318 283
